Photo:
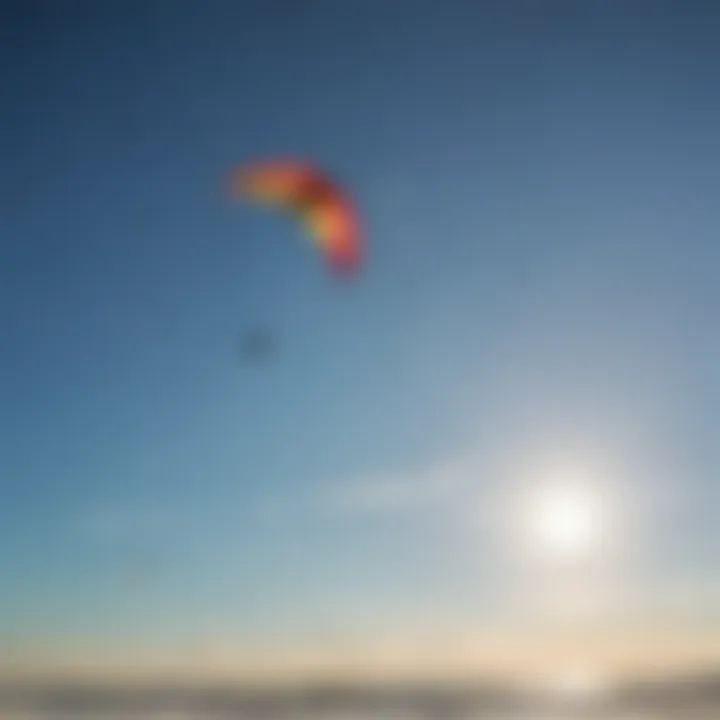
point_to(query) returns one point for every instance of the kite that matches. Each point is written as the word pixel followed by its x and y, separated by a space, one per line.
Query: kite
pixel 309 194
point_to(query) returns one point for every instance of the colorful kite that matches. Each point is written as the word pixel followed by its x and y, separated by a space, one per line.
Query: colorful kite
pixel 318 201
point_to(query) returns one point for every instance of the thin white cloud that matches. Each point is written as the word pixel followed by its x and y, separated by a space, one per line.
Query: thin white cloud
pixel 444 484
pixel 137 520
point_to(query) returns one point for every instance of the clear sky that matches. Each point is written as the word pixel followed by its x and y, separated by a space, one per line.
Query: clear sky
pixel 539 179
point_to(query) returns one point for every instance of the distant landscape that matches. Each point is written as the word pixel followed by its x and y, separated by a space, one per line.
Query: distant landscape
pixel 696 696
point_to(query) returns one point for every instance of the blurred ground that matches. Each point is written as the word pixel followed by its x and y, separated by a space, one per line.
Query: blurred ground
pixel 678 699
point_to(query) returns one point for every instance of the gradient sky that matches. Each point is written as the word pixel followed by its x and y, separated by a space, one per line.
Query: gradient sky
pixel 539 179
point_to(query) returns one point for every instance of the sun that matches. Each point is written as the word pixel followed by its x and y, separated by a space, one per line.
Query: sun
pixel 564 521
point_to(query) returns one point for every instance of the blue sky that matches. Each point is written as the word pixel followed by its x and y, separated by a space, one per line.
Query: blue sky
pixel 538 179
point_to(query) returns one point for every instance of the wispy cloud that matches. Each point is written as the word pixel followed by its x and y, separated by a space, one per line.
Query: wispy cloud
pixel 440 485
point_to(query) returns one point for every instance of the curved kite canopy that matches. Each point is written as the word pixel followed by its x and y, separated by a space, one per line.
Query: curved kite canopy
pixel 308 193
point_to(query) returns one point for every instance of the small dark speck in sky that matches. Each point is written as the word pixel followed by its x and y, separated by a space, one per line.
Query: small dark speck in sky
pixel 258 345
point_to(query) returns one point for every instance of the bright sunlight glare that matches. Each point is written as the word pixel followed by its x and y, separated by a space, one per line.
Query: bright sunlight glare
pixel 563 520
pixel 566 522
